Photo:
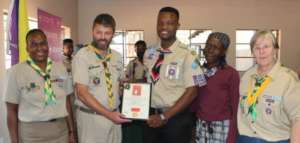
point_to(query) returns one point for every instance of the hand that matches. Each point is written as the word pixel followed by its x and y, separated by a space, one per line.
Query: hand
pixel 118 118
pixel 72 138
pixel 155 121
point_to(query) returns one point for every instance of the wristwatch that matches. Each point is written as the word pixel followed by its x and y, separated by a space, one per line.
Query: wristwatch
pixel 162 117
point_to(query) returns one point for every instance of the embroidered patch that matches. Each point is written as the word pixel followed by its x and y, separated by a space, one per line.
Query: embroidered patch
pixel 96 80
pixel 172 71
pixel 151 53
pixel 199 80
pixel 93 67
pixel 195 64
pixel 268 111
pixel 272 98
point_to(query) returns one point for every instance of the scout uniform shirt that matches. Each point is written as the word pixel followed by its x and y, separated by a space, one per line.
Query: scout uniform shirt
pixel 68 64
pixel 274 113
pixel 136 70
pixel 25 87
pixel 178 71
pixel 88 70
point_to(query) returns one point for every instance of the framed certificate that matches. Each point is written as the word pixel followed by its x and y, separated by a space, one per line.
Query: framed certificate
pixel 136 101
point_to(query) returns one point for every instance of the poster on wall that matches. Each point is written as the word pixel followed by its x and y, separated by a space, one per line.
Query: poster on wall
pixel 51 25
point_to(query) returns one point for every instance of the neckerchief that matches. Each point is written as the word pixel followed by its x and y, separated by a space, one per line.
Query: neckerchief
pixel 253 94
pixel 155 75
pixel 105 61
pixel 48 91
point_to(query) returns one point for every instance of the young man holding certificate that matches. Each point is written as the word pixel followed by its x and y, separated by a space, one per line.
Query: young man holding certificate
pixel 175 74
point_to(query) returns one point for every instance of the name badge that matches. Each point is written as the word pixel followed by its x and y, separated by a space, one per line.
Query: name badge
pixel 172 71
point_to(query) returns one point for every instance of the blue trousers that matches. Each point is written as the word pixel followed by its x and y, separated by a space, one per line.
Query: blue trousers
pixel 246 139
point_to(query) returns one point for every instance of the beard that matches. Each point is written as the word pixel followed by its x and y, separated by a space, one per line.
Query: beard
pixel 101 44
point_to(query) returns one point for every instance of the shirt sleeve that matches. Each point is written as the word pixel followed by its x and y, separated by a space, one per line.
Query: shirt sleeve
pixel 193 74
pixel 234 101
pixel 291 102
pixel 80 70
pixel 129 69
pixel 12 92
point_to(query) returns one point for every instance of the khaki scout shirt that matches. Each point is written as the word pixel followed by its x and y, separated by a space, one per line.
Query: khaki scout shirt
pixel 136 70
pixel 88 70
pixel 276 109
pixel 178 72
pixel 68 64
pixel 25 87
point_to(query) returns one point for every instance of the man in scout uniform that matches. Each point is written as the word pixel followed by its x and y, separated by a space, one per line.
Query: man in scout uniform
pixel 136 70
pixel 37 97
pixel 68 49
pixel 97 70
pixel 175 75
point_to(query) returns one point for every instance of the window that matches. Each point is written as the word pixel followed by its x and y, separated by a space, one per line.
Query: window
pixel 32 23
pixel 195 39
pixel 244 57
pixel 123 42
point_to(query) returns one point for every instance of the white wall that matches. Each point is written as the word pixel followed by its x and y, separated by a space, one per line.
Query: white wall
pixel 66 9
pixel 219 15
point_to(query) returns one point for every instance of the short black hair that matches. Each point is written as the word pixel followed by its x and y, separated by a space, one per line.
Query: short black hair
pixel 140 43
pixel 171 10
pixel 106 20
pixel 65 41
pixel 33 32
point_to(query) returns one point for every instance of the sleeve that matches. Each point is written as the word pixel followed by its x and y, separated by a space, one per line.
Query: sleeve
pixel 234 101
pixel 80 70
pixel 193 74
pixel 11 91
pixel 291 102
pixel 69 85
pixel 129 69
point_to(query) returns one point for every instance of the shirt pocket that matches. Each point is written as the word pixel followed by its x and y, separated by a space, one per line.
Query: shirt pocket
pixel 59 84
pixel 173 71
pixel 271 105
pixel 95 74
pixel 32 91
pixel 116 71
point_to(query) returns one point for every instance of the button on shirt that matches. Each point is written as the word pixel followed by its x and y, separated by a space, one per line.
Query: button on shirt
pixel 178 71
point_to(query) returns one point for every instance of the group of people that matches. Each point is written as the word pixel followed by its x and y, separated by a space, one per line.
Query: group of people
pixel 190 102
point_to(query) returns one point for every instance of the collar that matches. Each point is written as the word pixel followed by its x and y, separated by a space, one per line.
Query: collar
pixel 170 49
pixel 272 73
pixel 210 72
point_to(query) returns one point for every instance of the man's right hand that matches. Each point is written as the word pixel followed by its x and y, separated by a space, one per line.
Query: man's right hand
pixel 118 118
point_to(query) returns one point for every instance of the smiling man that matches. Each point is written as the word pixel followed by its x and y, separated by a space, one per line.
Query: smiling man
pixel 175 75
pixel 97 70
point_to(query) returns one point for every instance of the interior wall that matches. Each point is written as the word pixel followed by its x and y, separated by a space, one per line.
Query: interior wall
pixel 219 15
pixel 66 9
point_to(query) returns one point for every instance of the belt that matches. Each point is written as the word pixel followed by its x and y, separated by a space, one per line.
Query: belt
pixel 89 111
pixel 51 120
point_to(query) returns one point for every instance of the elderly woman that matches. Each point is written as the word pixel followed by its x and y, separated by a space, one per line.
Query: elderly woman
pixel 268 112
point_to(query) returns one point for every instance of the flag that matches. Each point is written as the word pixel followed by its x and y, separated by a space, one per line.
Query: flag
pixel 23 29
pixel 18 28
